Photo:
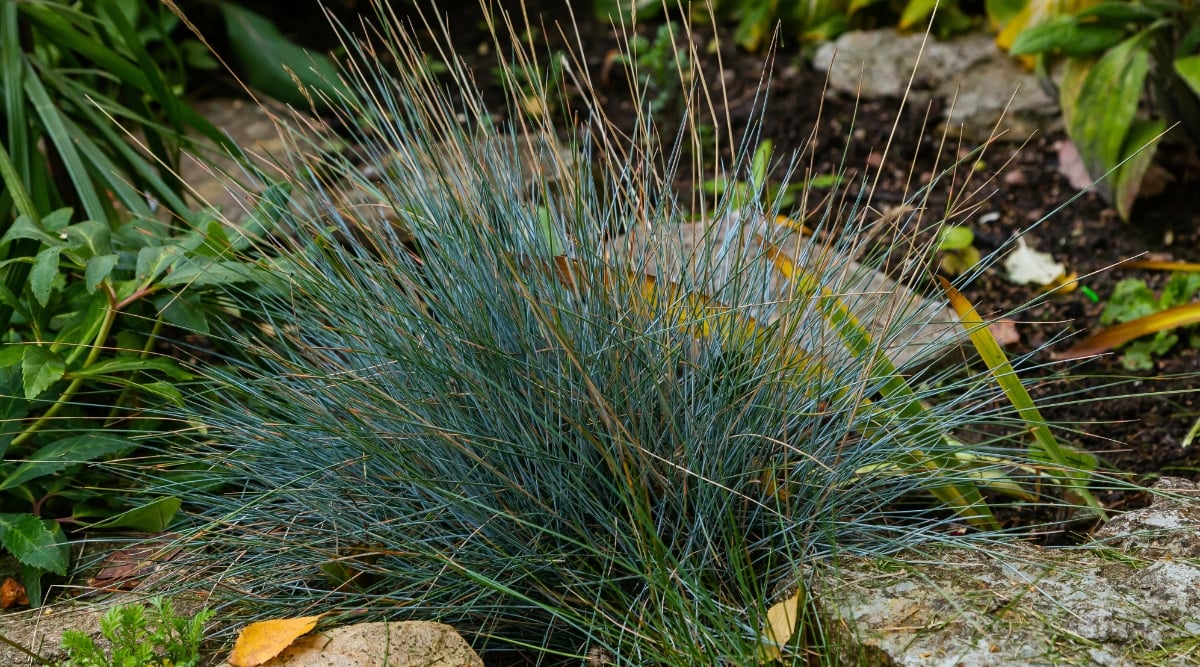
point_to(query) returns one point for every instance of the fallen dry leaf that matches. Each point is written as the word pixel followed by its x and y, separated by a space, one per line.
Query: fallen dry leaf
pixel 1005 332
pixel 1070 165
pixel 12 594
pixel 782 619
pixel 124 569
pixel 1026 266
pixel 259 642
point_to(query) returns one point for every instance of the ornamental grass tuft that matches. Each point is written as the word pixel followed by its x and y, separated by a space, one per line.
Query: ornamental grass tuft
pixel 484 385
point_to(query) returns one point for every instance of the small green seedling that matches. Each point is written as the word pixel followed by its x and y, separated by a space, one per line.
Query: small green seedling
pixel 956 246
pixel 140 636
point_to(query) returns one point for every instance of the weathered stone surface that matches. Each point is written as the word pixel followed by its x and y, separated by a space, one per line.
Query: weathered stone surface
pixel 726 257
pixel 400 644
pixel 979 82
pixel 1021 605
pixel 1162 529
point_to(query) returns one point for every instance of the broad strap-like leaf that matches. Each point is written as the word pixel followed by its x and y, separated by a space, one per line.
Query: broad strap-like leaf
pixel 276 65
pixel 152 517
pixel 1116 336
pixel 1073 465
pixel 1188 69
pixel 1108 99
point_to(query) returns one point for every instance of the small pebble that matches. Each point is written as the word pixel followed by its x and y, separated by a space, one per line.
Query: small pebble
pixel 1015 178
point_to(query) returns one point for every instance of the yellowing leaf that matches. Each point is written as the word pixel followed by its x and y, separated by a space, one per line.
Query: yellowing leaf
pixel 259 642
pixel 1074 464
pixel 1161 266
pixel 782 619
pixel 1113 337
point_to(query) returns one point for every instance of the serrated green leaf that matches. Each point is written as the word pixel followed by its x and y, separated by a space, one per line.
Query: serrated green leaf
pixel 183 311
pixel 153 261
pixel 11 354
pixel 61 454
pixel 126 364
pixel 164 390
pixel 203 272
pixel 1138 356
pixel 57 220
pixel 1131 299
pixel 89 238
pixel 276 65
pixel 153 517
pixel 1180 289
pixel 43 273
pixel 98 269
pixel 25 228
pixel 76 337
pixel 1188 69
pixel 40 368
pixel 28 539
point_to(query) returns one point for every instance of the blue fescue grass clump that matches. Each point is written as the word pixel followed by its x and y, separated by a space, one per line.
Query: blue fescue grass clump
pixel 456 405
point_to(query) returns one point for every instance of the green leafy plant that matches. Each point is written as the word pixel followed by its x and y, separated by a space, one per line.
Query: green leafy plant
pixel 480 412
pixel 956 245
pixel 274 64
pixel 99 251
pixel 140 636
pixel 1116 54
pixel 661 67
pixel 85 325
pixel 755 21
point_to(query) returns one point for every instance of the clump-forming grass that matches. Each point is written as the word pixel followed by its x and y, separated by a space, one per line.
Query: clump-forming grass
pixel 455 405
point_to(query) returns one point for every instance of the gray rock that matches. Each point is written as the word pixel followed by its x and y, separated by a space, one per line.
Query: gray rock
pixel 400 644
pixel 980 83
pixel 1162 529
pixel 1021 605
pixel 728 260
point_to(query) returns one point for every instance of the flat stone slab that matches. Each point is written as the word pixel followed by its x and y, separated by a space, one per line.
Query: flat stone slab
pixel 726 259
pixel 399 644
pixel 1012 604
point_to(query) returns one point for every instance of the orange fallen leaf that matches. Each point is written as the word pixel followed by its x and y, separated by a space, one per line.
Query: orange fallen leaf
pixel 12 594
pixel 1116 336
pixel 259 642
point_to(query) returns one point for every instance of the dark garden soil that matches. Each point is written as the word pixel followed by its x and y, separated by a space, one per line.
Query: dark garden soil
pixel 1136 421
